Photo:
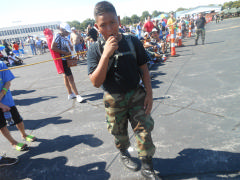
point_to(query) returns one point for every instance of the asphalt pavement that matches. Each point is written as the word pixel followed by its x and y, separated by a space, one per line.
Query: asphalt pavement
pixel 196 113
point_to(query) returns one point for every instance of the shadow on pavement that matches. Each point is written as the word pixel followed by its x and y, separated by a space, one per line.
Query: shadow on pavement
pixel 214 42
pixel 93 97
pixel 27 102
pixel 156 83
pixel 196 162
pixel 37 124
pixel 62 143
pixel 18 92
pixel 56 168
pixel 200 43
pixel 161 98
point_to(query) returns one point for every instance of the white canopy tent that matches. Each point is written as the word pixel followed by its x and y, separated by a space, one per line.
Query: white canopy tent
pixel 198 9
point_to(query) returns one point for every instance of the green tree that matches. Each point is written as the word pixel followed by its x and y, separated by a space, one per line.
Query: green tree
pixel 135 19
pixel 145 14
pixel 126 20
pixel 85 23
pixel 75 24
pixel 236 4
pixel 181 9
pixel 227 5
pixel 155 13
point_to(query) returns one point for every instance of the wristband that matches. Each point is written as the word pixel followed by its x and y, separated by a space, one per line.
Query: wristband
pixel 5 89
pixel 4 92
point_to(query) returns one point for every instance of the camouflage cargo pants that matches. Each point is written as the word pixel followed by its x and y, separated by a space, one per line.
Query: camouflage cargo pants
pixel 198 32
pixel 123 107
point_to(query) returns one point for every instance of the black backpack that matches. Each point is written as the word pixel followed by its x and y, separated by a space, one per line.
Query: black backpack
pixel 100 46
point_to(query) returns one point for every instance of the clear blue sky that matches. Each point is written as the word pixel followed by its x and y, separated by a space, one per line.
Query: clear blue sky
pixel 34 11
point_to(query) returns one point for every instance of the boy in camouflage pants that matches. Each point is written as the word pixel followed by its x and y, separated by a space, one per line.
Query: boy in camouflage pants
pixel 112 66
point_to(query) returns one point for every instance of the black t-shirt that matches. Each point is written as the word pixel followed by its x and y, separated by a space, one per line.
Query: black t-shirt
pixel 125 76
pixel 200 22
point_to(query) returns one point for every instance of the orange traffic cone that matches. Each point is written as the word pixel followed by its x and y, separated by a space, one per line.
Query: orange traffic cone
pixel 190 30
pixel 180 35
pixel 173 51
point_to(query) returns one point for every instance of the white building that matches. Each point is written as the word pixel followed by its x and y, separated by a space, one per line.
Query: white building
pixel 21 31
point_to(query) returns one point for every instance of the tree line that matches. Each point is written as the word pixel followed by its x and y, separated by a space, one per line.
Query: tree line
pixel 134 19
pixel 231 4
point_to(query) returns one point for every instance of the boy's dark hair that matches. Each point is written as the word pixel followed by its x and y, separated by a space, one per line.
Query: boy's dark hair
pixel 103 7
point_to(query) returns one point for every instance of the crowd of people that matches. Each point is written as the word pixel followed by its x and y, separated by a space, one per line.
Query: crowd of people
pixel 116 61
pixel 154 34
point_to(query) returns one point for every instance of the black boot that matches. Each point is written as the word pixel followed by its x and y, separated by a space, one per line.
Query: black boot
pixel 202 42
pixel 196 42
pixel 147 169
pixel 127 160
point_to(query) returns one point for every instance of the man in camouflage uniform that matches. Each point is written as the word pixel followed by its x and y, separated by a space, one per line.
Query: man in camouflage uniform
pixel 200 25
pixel 113 65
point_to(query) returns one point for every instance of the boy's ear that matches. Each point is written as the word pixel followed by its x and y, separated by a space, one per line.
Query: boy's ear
pixel 96 26
pixel 119 21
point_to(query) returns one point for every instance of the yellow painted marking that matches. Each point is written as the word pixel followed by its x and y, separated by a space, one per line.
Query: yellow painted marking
pixel 224 28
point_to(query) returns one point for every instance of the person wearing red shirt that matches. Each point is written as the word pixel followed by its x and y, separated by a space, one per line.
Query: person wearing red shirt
pixel 16 48
pixel 148 26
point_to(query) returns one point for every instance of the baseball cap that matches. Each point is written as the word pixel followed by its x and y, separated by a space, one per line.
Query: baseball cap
pixel 66 27
pixel 154 30
pixel 73 28
pixel 146 33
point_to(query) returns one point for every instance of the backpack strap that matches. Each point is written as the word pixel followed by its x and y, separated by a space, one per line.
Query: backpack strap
pixel 100 47
pixel 131 45
pixel 133 51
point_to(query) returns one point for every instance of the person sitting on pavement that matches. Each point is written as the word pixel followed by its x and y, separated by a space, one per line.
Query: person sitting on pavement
pixel 160 44
pixel 152 46
pixel 13 60
pixel 7 105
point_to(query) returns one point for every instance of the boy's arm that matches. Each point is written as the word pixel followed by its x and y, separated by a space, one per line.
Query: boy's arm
pixel 148 87
pixel 6 87
pixel 4 108
pixel 99 74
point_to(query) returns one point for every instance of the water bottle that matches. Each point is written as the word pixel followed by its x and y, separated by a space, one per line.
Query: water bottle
pixel 8 117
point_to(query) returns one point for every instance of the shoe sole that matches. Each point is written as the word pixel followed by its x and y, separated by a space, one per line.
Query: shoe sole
pixel 134 170
pixel 9 164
